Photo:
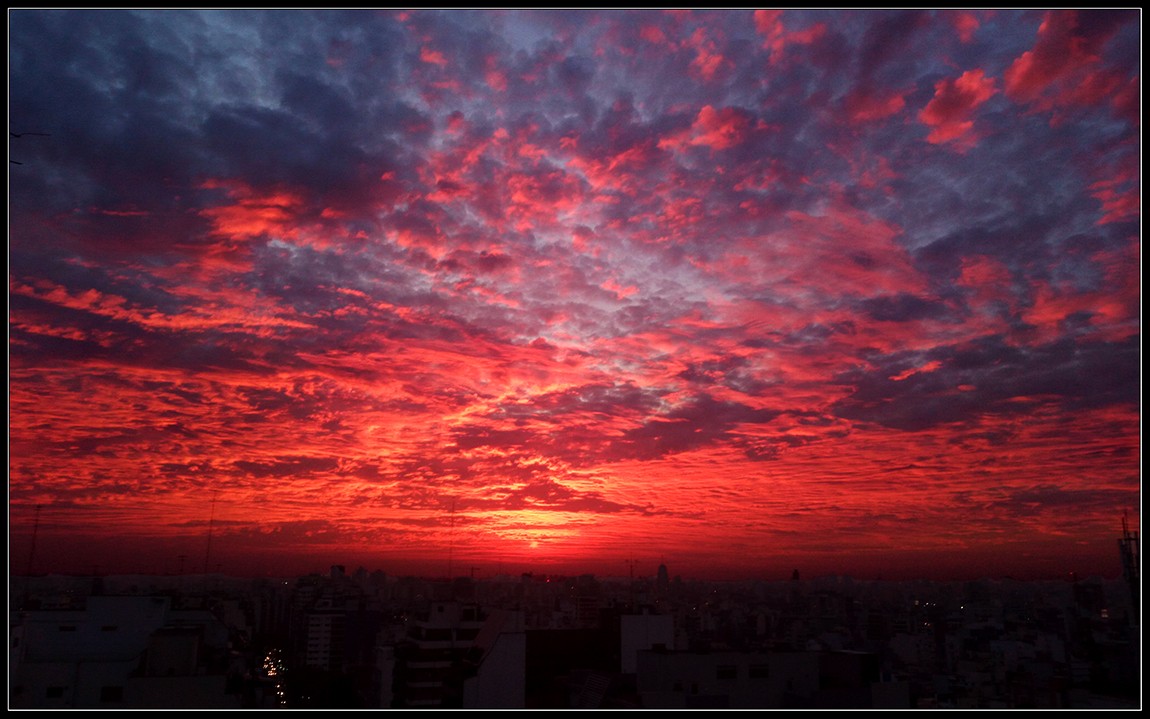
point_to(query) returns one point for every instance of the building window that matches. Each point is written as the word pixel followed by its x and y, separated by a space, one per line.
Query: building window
pixel 54 692
pixel 112 694
pixel 759 671
pixel 67 627
pixel 726 671
pixel 109 628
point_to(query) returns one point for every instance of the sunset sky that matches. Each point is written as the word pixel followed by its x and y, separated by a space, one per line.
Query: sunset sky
pixel 575 291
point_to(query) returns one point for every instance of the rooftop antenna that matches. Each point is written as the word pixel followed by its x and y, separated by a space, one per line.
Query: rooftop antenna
pixel 35 532
pixel 211 526
pixel 1128 549
pixel 451 541
pixel 183 560
pixel 631 564
pixel 31 555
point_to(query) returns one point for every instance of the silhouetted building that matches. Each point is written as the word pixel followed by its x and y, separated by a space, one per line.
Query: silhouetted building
pixel 497 664
pixel 639 632
pixel 325 638
pixel 430 665
pixel 724 679
pixel 120 653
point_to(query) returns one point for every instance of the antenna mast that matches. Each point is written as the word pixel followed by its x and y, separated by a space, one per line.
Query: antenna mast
pixel 211 526
pixel 35 532
pixel 451 541
pixel 31 556
pixel 1128 548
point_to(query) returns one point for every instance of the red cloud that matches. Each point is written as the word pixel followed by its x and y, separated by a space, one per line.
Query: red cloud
pixel 1121 199
pixel 708 60
pixel 720 128
pixel 620 171
pixel 495 77
pixel 948 114
pixel 1118 206
pixel 433 57
pixel 717 129
pixel 866 105
pixel 1065 66
pixel 254 213
pixel 988 283
pixel 966 24
pixel 769 24
pixel 653 34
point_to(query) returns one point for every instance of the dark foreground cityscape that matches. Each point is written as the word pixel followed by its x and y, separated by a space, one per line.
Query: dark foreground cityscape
pixel 360 640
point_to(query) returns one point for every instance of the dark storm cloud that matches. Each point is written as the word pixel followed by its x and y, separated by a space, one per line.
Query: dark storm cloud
pixel 700 422
pixel 546 494
pixel 732 371
pixel 157 104
pixel 903 307
pixel 306 280
pixel 1052 498
pixel 274 146
pixel 624 399
pixel 112 90
pixel 288 466
pixel 886 38
pixel 992 376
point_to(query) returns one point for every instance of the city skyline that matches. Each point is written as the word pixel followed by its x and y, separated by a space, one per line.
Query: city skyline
pixel 852 292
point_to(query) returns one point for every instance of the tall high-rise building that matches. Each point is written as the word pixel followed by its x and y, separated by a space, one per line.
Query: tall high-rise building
pixel 429 664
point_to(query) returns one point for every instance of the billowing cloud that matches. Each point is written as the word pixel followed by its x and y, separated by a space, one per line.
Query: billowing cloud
pixel 1068 64
pixel 717 129
pixel 949 113
pixel 776 37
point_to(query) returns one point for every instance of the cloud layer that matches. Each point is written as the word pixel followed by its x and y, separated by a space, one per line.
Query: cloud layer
pixel 739 291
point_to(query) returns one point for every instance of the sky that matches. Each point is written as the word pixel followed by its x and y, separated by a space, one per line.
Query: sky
pixel 452 292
